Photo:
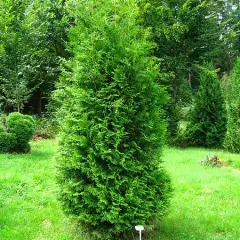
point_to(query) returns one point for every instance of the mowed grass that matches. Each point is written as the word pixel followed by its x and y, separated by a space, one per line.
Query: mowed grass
pixel 29 209
pixel 205 204
pixel 206 201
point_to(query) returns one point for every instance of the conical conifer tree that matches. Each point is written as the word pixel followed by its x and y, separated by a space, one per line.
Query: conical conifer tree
pixel 110 169
pixel 207 125
pixel 232 139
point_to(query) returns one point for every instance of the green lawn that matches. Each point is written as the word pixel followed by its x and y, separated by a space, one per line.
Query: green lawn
pixel 29 209
pixel 206 202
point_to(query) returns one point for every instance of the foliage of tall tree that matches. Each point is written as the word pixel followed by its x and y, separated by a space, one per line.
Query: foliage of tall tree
pixel 207 123
pixel 110 170
pixel 229 16
pixel 232 139
pixel 31 40
pixel 188 32
pixel 51 21
pixel 14 55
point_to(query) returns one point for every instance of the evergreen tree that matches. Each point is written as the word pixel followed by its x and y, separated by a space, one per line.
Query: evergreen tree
pixel 186 33
pixel 110 170
pixel 232 139
pixel 207 125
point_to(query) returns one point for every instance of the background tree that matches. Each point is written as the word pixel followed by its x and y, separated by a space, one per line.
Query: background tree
pixel 110 173
pixel 32 40
pixel 51 22
pixel 232 139
pixel 229 17
pixel 15 54
pixel 207 123
pixel 187 33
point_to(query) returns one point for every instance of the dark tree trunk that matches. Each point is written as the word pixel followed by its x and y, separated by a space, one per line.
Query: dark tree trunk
pixel 39 102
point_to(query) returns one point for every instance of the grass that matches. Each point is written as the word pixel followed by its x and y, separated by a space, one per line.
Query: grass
pixel 29 209
pixel 205 205
pixel 206 202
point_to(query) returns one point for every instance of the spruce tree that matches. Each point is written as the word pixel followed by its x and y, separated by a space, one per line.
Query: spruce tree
pixel 207 125
pixel 110 169
pixel 232 139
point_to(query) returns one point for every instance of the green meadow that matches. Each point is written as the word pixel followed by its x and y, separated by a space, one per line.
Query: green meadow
pixel 205 202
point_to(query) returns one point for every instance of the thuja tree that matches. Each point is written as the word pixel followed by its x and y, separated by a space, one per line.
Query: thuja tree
pixel 207 125
pixel 109 170
pixel 232 139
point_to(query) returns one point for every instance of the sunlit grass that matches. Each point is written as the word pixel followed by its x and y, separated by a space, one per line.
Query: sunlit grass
pixel 205 205
pixel 28 197
pixel 206 202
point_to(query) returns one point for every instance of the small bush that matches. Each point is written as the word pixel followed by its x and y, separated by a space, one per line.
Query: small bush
pixel 16 131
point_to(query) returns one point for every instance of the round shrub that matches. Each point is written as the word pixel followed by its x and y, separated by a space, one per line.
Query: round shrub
pixel 22 125
pixel 20 128
pixel 110 169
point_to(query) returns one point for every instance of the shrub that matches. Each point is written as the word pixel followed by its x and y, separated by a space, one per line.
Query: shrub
pixel 17 132
pixel 7 142
pixel 232 139
pixel 207 123
pixel 110 173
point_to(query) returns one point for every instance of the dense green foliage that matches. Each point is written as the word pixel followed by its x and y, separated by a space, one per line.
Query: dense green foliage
pixel 232 139
pixel 32 38
pixel 186 32
pixel 189 32
pixel 7 142
pixel 110 172
pixel 16 131
pixel 207 123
